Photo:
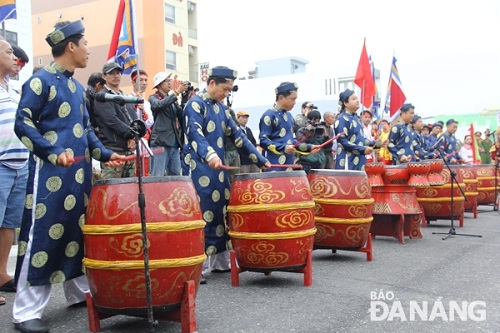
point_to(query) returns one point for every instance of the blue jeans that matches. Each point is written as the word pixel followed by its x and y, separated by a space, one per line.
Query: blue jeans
pixel 12 195
pixel 169 161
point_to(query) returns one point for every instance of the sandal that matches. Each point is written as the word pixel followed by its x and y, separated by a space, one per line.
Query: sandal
pixel 2 300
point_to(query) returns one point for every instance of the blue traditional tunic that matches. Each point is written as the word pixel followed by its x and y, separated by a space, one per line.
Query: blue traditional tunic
pixel 400 142
pixel 450 146
pixel 276 132
pixel 207 123
pixel 51 119
pixel 351 145
pixel 420 146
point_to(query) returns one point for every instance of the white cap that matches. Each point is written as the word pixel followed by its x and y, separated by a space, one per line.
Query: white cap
pixel 160 77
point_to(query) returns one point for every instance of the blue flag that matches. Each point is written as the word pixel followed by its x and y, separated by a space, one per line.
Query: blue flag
pixel 7 10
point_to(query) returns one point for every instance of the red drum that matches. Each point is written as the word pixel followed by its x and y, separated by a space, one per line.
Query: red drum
pixel 343 208
pixel 418 173
pixel 470 190
pixel 436 200
pixel 114 246
pixel 374 172
pixel 435 167
pixel 485 174
pixel 271 220
pixel 396 175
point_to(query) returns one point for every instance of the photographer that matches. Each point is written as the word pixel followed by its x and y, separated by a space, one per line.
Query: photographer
pixel 313 133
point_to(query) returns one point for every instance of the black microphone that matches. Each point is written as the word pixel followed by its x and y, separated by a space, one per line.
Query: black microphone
pixel 492 133
pixel 437 143
pixel 138 127
pixel 119 99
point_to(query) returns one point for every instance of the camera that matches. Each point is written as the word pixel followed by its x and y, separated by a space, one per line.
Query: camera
pixel 190 86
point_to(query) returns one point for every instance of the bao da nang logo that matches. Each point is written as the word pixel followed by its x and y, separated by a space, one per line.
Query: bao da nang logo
pixel 385 307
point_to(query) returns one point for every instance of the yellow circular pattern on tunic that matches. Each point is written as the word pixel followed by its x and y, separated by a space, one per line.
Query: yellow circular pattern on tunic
pixel 285 116
pixel 210 126
pixel 216 109
pixel 394 130
pixel 96 153
pixel 87 155
pixel 211 250
pixel 226 193
pixel 28 204
pixel 219 231
pixel 208 216
pixel 40 210
pixel 28 111
pixel 39 259
pixel 52 159
pixel 57 277
pixel 355 160
pixel 238 142
pixel 77 130
pixel 21 248
pixel 81 220
pixel 196 107
pixel 407 139
pixel 29 123
pixel 64 110
pixel 204 181
pixel 56 231
pixel 221 176
pixel 36 86
pixel 282 159
pixel 276 121
pixel 85 200
pixel 282 133
pixel 53 184
pixel 51 136
pixel 194 144
pixel 69 202
pixel 342 162
pixel 71 86
pixel 71 249
pixel 220 142
pixel 215 196
pixel 267 120
pixel 52 93
pixel 187 158
pixel 79 176
pixel 193 164
pixel 253 157
pixel 27 142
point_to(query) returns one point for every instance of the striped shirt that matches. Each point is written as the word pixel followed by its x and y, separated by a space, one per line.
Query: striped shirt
pixel 13 153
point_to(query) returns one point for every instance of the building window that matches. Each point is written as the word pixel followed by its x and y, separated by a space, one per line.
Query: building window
pixel 11 37
pixel 171 60
pixel 169 13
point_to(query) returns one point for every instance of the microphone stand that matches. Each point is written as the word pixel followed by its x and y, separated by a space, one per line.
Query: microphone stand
pixel 139 129
pixel 453 180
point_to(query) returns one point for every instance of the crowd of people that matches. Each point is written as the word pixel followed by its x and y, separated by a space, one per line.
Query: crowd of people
pixel 56 128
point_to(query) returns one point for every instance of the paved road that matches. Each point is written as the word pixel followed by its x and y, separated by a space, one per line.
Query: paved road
pixel 428 270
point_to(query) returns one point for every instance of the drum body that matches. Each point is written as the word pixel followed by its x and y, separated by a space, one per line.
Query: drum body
pixel 470 189
pixel 485 175
pixel 436 200
pixel 343 208
pixel 435 168
pixel 271 220
pixel 396 174
pixel 114 257
pixel 374 172
pixel 419 172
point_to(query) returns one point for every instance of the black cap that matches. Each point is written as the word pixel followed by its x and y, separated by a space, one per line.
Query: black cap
pixel 407 107
pixel 451 121
pixel 111 66
pixel 437 125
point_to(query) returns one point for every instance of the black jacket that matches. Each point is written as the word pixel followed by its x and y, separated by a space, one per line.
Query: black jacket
pixel 244 159
pixel 168 119
pixel 113 122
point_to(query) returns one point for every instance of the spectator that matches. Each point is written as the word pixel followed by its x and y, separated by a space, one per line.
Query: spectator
pixel 247 165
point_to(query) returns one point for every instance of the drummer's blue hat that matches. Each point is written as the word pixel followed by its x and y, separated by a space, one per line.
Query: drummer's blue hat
pixel 285 87
pixel 407 107
pixel 344 96
pixel 415 119
pixel 223 72
pixel 60 34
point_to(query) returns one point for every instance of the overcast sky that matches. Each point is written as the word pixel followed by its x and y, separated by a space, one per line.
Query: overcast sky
pixel 448 51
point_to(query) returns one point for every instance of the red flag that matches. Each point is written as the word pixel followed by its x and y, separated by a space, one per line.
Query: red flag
pixel 396 95
pixel 364 79
pixel 124 46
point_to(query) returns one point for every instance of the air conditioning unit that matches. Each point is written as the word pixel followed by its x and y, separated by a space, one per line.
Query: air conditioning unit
pixel 191 6
pixel 191 50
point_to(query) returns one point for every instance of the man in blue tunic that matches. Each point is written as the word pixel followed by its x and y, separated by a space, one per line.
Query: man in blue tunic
pixel 400 138
pixel 276 129
pixel 419 143
pixel 450 142
pixel 206 123
pixel 352 146
pixel 53 124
